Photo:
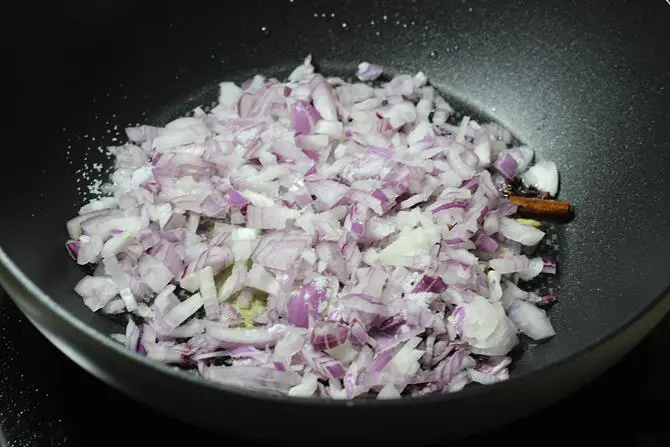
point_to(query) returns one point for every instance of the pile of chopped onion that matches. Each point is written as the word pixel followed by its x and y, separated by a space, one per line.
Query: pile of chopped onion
pixel 318 237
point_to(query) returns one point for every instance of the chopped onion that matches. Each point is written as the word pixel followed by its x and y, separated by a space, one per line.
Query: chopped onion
pixel 518 232
pixel 320 238
pixel 96 291
pixel 368 71
pixel 542 176
pixel 531 320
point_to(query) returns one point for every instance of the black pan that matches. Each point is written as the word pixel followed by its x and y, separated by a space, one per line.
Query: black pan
pixel 585 83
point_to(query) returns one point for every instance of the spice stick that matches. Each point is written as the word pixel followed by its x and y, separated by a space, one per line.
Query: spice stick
pixel 541 207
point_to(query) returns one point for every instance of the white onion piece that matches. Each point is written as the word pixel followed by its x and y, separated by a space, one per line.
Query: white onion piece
pixel 195 133
pixel 486 327
pixel 234 282
pixel 306 388
pixel 97 291
pixel 117 243
pixel 543 176
pixel 368 71
pixel 417 241
pixel 259 338
pixel 113 269
pixel 534 269
pixel 229 94
pixel 89 249
pixel 261 279
pixel 154 273
pixel 333 129
pixel 521 233
pixel 324 102
pixel 531 320
pixel 183 123
pixel 523 156
pixel 179 313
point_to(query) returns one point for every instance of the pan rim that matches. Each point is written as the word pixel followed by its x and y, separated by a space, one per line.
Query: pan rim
pixel 9 269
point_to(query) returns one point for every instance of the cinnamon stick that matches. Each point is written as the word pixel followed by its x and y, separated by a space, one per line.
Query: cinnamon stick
pixel 541 207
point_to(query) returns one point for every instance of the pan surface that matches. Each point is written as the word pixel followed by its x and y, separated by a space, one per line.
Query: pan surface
pixel 586 84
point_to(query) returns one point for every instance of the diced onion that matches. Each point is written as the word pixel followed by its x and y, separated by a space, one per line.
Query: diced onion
pixel 320 238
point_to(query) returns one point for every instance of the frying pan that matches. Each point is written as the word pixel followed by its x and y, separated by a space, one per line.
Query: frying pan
pixel 585 83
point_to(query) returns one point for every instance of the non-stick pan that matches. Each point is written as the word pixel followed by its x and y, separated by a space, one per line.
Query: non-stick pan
pixel 585 83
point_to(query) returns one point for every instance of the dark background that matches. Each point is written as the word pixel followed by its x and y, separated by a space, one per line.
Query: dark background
pixel 46 400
